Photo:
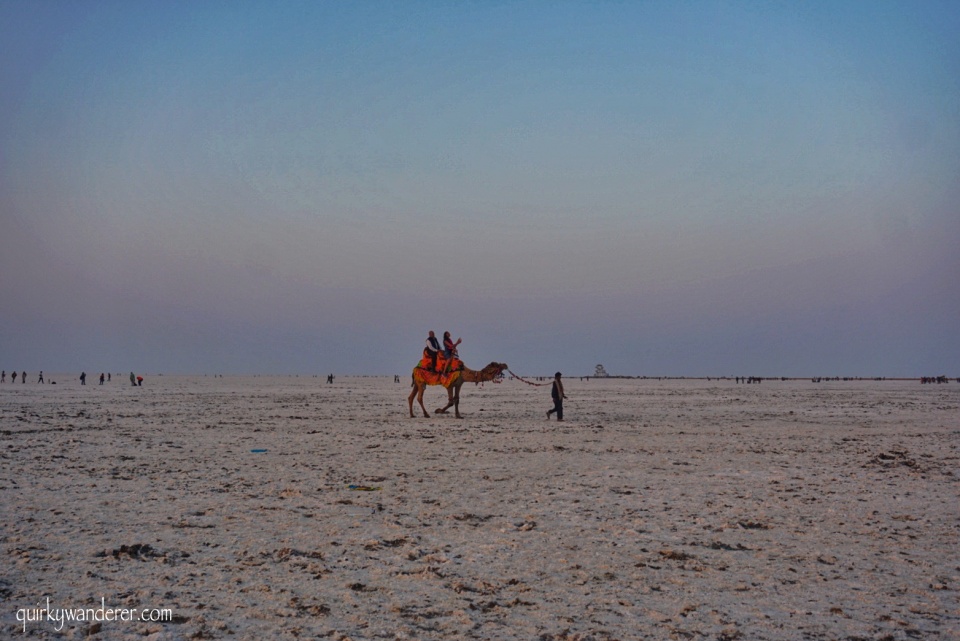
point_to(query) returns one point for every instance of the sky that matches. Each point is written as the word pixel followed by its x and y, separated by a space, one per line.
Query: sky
pixel 664 188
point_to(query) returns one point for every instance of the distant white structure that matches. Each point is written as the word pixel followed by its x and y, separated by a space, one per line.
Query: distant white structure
pixel 600 372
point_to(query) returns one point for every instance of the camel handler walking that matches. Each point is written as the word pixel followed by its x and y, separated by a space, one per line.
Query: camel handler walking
pixel 556 393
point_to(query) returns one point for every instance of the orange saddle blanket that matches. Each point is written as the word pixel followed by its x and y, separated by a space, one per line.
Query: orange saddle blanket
pixel 444 374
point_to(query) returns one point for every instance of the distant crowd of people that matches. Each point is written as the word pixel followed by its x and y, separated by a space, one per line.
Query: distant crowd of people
pixel 13 377
pixel 136 381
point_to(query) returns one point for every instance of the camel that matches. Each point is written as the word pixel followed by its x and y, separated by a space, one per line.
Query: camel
pixel 455 380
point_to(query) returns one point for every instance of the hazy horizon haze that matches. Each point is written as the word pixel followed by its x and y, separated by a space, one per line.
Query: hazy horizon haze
pixel 678 189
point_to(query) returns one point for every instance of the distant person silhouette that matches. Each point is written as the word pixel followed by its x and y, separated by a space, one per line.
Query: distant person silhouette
pixel 41 377
pixel 133 379
pixel 83 378
pixel 13 377
pixel 102 378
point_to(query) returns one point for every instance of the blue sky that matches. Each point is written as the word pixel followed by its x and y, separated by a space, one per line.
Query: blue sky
pixel 666 188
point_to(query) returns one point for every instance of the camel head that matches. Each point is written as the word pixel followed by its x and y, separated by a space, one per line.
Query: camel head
pixel 494 370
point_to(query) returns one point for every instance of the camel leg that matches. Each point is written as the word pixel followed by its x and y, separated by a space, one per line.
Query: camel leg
pixel 456 402
pixel 420 400
pixel 418 393
pixel 443 410
pixel 420 390
pixel 453 400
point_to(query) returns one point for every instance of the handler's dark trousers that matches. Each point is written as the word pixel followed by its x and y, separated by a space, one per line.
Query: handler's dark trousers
pixel 558 408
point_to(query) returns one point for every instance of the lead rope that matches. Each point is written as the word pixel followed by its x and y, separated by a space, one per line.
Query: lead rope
pixel 520 378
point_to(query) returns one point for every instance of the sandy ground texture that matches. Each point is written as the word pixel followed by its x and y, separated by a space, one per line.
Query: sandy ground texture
pixel 658 510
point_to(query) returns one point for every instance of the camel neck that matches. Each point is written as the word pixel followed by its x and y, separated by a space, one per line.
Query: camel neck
pixel 473 376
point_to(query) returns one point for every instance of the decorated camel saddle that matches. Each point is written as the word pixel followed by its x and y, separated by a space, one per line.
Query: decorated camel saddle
pixel 448 370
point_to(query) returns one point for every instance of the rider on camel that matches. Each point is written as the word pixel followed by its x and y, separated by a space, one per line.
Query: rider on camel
pixel 432 349
pixel 449 349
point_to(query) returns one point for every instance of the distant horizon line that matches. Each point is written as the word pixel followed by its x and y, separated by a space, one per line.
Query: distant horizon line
pixel 834 378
